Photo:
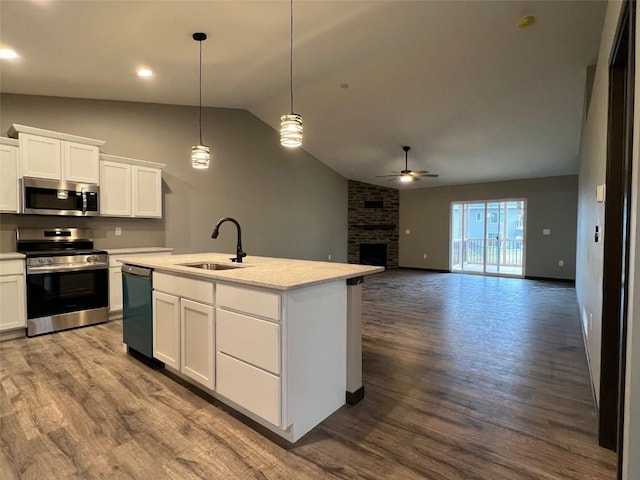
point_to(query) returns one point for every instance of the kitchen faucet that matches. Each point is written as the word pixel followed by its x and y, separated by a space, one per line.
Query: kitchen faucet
pixel 239 253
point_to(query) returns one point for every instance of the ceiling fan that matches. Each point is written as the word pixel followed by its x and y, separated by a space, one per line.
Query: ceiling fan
pixel 407 175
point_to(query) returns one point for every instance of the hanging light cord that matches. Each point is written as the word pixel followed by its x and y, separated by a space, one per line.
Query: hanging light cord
pixel 200 42
pixel 291 59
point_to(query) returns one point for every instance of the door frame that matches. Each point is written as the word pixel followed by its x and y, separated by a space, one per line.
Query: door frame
pixel 617 230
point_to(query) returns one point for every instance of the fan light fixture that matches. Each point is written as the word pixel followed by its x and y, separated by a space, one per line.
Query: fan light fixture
pixel 291 123
pixel 200 154
pixel 406 177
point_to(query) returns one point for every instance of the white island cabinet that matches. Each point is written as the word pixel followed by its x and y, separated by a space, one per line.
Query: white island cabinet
pixel 57 156
pixel 268 337
pixel 130 187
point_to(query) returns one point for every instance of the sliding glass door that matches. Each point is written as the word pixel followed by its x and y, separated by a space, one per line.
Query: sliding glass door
pixel 488 237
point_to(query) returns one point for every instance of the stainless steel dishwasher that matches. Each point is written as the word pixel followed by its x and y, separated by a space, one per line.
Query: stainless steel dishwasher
pixel 137 315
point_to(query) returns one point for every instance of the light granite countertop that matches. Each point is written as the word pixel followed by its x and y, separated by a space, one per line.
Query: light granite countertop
pixel 265 272
pixel 134 250
pixel 11 256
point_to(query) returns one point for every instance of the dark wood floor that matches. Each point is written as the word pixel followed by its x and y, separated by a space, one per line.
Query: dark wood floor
pixel 467 377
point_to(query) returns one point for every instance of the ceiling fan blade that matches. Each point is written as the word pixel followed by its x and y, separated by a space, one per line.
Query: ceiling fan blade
pixel 432 175
pixel 392 175
pixel 421 172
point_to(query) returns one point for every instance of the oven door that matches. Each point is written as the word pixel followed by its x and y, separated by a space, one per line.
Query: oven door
pixel 63 291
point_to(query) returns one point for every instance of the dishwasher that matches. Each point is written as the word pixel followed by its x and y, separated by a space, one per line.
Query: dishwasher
pixel 137 315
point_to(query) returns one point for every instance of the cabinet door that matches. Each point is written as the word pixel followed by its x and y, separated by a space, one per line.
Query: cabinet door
pixel 197 342
pixel 115 289
pixel 115 189
pixel 8 178
pixel 147 192
pixel 12 302
pixel 41 156
pixel 80 162
pixel 166 329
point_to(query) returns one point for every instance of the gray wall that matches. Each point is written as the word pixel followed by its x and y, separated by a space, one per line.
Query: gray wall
pixel 288 203
pixel 551 203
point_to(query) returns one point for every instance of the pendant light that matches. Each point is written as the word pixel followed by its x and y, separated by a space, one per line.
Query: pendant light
pixel 200 154
pixel 291 123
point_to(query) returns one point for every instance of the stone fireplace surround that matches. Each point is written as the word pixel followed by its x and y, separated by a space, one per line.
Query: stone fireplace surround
pixel 375 223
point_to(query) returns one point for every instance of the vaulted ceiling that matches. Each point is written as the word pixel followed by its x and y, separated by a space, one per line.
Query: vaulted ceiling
pixel 477 98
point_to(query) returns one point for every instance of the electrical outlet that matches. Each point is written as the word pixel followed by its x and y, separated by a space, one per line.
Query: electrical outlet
pixel 329 257
pixel 546 231
pixel 407 231
pixel 118 231
pixel 561 263
pixel 424 255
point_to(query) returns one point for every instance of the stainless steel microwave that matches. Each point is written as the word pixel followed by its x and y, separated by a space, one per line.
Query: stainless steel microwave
pixel 52 197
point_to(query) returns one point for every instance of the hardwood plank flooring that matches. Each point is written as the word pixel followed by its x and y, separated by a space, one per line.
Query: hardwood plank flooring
pixel 466 377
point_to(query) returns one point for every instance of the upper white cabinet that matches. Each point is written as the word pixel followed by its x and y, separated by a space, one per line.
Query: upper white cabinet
pixel 57 156
pixel 130 187
pixel 8 175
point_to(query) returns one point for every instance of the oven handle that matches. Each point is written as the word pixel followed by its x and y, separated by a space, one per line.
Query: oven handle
pixel 69 268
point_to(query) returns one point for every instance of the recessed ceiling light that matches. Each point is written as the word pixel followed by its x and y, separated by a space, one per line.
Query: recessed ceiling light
pixel 7 53
pixel 144 73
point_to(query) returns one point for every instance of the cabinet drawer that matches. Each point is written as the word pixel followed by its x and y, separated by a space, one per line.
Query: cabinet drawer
pixel 254 302
pixel 12 267
pixel 249 339
pixel 199 290
pixel 249 387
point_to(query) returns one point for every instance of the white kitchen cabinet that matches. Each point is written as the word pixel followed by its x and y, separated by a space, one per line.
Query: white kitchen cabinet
pixel 197 342
pixel 12 295
pixel 57 156
pixel 115 191
pixel 166 329
pixel 115 273
pixel 8 175
pixel 130 187
pixel 185 338
pixel 147 192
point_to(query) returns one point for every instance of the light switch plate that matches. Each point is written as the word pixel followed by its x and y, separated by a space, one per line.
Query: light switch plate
pixel 407 231
pixel 546 231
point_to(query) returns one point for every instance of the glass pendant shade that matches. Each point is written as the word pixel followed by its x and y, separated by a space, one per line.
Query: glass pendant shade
pixel 291 130
pixel 200 157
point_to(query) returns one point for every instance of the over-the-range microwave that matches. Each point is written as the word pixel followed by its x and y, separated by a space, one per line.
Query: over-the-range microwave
pixel 53 197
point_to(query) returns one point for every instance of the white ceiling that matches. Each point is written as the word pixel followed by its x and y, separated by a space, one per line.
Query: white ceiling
pixel 475 97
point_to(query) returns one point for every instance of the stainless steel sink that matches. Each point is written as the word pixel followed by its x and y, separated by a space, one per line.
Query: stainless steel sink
pixel 211 266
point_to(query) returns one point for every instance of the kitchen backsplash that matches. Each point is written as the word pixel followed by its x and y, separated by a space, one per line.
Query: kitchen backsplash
pixel 134 232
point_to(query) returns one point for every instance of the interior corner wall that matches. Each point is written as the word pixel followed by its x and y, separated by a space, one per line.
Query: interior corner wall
pixel 288 203
pixel 551 204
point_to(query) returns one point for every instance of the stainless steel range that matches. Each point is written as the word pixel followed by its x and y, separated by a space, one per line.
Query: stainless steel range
pixel 67 280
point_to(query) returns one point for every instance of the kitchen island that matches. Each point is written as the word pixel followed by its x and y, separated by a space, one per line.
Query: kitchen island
pixel 277 339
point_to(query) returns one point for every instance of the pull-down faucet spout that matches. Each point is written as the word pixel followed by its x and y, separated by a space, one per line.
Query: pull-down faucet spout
pixel 216 230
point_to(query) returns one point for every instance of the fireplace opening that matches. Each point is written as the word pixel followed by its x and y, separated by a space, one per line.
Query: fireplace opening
pixel 373 254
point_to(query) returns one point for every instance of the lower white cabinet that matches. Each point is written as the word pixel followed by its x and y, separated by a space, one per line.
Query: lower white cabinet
pixel 166 329
pixel 197 342
pixel 183 328
pixel 12 295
